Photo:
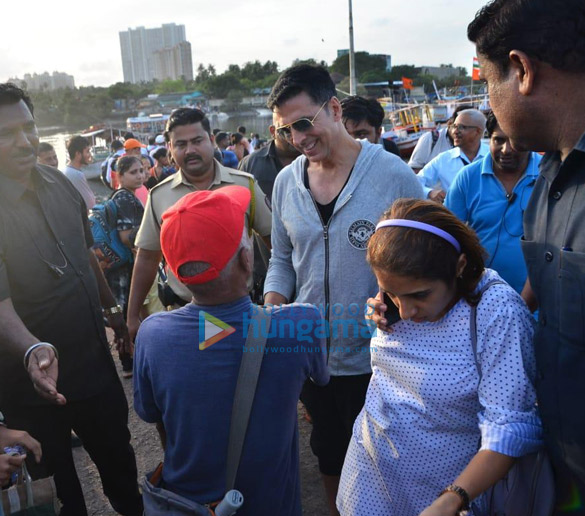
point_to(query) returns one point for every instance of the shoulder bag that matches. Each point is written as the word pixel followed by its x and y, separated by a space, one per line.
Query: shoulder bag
pixel 159 501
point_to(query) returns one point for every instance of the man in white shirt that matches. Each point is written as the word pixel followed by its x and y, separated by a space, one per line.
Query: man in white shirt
pixel 79 154
pixel 433 143
pixel 467 132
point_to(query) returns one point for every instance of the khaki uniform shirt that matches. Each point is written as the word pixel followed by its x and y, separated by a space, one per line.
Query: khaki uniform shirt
pixel 167 193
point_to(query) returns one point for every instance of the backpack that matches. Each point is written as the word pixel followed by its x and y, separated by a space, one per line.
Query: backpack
pixel 110 252
pixel 104 171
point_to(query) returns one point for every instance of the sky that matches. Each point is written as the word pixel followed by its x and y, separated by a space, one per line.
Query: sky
pixel 82 38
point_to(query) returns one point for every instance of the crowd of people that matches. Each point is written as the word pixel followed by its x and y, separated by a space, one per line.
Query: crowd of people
pixel 468 263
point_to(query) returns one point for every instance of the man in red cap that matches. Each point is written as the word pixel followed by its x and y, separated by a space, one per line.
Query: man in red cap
pixel 187 362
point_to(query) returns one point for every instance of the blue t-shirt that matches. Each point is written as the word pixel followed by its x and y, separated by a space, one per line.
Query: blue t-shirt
pixel 229 159
pixel 479 198
pixel 190 390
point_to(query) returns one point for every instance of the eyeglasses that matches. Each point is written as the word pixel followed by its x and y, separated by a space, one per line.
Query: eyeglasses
pixel 461 127
pixel 301 125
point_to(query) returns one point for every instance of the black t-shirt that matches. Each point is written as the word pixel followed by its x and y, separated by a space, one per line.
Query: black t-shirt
pixel 325 210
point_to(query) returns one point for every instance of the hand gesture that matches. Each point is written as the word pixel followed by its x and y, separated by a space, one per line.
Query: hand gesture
pixel 43 371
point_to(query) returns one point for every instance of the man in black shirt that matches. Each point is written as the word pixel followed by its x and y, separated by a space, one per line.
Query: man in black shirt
pixel 532 56
pixel 363 119
pixel 51 297
pixel 266 163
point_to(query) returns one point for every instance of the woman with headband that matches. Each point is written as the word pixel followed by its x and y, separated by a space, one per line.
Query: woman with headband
pixel 438 427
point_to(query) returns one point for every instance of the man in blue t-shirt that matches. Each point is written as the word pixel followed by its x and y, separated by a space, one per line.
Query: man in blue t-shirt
pixel 491 196
pixel 228 158
pixel 187 363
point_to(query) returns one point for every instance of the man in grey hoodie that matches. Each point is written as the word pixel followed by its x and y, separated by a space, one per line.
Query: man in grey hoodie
pixel 325 207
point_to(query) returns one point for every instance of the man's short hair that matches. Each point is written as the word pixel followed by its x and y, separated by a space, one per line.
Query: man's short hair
pixel 242 130
pixel 45 147
pixel 116 145
pixel 12 94
pixel 159 153
pixel 357 109
pixel 76 144
pixel 186 116
pixel 476 115
pixel 221 136
pixel 151 140
pixel 236 138
pixel 552 31
pixel 491 123
pixel 313 80
pixel 215 131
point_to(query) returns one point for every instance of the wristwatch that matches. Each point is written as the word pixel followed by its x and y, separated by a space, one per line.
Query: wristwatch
pixel 117 309
pixel 459 491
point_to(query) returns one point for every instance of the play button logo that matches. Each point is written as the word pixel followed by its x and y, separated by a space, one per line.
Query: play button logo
pixel 212 330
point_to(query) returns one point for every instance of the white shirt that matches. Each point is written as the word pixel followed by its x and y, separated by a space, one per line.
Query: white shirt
pixel 426 410
pixel 80 183
pixel 441 171
pixel 424 150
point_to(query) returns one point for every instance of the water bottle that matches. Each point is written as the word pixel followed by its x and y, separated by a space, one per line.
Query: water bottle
pixel 231 502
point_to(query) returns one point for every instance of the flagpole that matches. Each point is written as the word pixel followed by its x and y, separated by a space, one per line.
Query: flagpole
pixel 352 77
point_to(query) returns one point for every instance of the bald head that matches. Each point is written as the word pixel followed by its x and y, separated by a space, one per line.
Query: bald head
pixel 472 117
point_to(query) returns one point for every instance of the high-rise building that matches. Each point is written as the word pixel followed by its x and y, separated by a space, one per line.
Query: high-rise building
pixel 45 81
pixel 174 62
pixel 139 53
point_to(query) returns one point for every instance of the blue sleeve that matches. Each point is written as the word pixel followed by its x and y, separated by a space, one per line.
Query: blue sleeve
pixel 281 276
pixel 509 420
pixel 144 396
pixel 456 199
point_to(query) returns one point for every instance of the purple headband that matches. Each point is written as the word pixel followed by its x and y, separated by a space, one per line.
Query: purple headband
pixel 404 223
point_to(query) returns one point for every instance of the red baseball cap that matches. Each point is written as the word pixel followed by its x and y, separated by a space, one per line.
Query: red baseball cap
pixel 204 226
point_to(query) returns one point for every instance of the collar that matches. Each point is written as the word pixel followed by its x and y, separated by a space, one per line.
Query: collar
pixel 487 166
pixel 222 175
pixel 457 153
pixel 551 163
pixel 14 190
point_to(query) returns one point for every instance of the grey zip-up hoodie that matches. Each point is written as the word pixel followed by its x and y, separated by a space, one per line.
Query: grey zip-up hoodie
pixel 326 265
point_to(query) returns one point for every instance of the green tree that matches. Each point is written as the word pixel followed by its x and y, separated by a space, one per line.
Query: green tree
pixel 364 62
pixel 171 86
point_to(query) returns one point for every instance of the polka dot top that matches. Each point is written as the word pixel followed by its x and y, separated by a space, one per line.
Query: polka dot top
pixel 426 411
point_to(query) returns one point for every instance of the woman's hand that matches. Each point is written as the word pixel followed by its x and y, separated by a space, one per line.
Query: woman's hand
pixel 375 311
pixel 448 504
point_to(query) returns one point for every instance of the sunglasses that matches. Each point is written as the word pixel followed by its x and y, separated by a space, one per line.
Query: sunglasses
pixel 301 125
